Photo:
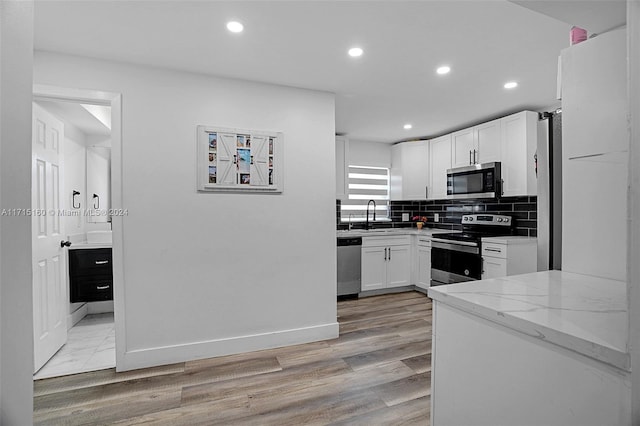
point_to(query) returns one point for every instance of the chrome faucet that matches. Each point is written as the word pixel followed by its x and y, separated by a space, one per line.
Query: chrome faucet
pixel 374 213
pixel 350 222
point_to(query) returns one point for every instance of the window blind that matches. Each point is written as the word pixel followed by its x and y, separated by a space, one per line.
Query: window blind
pixel 366 183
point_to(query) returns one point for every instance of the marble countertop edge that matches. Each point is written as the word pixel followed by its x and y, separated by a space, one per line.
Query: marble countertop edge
pixel 592 347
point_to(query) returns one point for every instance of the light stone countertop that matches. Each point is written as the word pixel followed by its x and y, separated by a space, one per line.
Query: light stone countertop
pixel 581 313
pixel 85 245
pixel 392 232
pixel 510 239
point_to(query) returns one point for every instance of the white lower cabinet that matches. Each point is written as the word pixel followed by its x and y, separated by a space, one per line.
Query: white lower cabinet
pixel 386 262
pixel 423 263
pixel 502 256
pixel 493 267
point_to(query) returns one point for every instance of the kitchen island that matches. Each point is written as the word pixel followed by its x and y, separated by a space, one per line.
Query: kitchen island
pixel 543 348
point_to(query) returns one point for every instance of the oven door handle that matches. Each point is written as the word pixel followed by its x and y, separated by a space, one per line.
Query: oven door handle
pixel 464 247
pixel 461 243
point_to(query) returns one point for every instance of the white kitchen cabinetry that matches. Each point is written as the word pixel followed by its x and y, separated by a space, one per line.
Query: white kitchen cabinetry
pixel 478 144
pixel 410 170
pixel 462 146
pixel 386 262
pixel 439 162
pixel 519 144
pixel 512 255
pixel 595 143
pixel 342 164
pixel 423 262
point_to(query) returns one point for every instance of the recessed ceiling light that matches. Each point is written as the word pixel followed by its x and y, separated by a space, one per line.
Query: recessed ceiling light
pixel 510 85
pixel 407 126
pixel 443 70
pixel 355 52
pixel 235 27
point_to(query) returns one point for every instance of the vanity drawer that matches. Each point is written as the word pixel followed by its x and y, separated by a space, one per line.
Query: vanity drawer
pixel 90 261
pixel 91 289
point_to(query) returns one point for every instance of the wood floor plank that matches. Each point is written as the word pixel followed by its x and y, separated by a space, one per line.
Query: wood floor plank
pixel 100 377
pixel 420 363
pixel 100 412
pixel 270 382
pixel 376 373
pixel 406 389
pixel 393 353
pixel 411 413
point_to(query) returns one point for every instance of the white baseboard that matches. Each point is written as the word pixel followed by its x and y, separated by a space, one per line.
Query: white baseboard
pixel 100 307
pixel 75 317
pixel 151 357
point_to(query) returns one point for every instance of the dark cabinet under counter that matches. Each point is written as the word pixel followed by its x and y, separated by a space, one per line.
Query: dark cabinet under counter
pixel 90 275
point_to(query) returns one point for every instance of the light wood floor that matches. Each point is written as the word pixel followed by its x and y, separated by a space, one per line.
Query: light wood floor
pixel 376 373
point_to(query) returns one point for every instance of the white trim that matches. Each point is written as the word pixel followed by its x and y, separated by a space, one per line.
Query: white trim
pixel 115 101
pixel 75 317
pixel 633 202
pixel 163 355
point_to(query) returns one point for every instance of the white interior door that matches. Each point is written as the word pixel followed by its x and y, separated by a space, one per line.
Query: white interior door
pixel 49 269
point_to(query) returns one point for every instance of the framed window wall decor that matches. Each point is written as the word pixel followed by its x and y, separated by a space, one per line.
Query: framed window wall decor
pixel 239 160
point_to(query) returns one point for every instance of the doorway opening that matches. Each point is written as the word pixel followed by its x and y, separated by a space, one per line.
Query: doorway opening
pixel 77 270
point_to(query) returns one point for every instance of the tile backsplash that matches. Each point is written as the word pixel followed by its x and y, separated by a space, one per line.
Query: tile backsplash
pixel 522 209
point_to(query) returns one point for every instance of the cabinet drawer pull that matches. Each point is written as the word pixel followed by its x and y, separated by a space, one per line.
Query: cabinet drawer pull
pixel 101 262
pixel 492 249
pixel 102 287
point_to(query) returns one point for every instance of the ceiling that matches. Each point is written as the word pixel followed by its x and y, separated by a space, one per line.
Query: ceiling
pixel 78 116
pixel 304 44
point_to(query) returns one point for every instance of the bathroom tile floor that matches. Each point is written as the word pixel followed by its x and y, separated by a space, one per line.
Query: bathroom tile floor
pixel 91 345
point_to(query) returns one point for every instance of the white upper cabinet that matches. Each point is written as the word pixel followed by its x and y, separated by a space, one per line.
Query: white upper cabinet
pixel 410 170
pixel 487 142
pixel 342 163
pixel 440 161
pixel 519 144
pixel 478 144
pixel 419 169
pixel 593 107
pixel 462 148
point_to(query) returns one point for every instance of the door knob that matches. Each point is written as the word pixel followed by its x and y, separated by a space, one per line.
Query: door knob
pixel 64 243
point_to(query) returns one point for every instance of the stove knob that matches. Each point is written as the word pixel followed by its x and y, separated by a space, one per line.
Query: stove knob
pixel 470 219
pixel 465 218
pixel 499 219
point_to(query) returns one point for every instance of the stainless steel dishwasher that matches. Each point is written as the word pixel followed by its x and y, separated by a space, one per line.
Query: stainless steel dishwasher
pixel 349 262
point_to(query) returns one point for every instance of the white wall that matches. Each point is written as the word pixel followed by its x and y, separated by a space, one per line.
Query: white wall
pixel 209 274
pixel 16 312
pixel 633 264
pixel 74 152
pixel 374 154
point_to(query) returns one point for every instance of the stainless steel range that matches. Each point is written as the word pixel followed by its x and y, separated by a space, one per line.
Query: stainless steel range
pixel 456 257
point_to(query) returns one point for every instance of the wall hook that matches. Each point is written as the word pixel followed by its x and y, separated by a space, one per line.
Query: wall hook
pixel 73 202
pixel 96 203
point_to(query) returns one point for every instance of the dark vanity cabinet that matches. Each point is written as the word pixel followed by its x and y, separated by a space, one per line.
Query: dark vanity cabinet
pixel 90 275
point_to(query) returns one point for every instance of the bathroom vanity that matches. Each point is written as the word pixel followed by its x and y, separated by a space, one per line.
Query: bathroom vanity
pixel 90 274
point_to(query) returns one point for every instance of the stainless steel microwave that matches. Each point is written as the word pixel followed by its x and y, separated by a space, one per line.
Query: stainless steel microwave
pixel 477 181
